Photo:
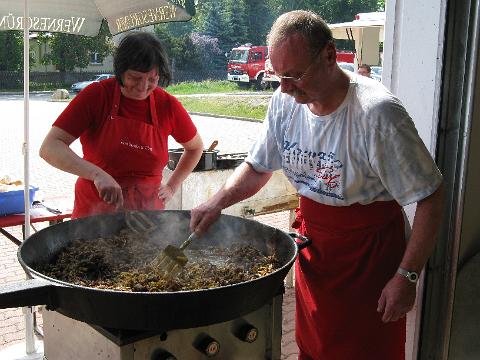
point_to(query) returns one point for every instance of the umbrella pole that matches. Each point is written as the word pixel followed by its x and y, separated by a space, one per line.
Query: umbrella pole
pixel 28 311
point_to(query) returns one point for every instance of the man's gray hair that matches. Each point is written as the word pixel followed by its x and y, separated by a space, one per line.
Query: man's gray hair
pixel 306 23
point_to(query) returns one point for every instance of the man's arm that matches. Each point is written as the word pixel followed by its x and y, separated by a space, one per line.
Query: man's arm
pixel 398 296
pixel 243 183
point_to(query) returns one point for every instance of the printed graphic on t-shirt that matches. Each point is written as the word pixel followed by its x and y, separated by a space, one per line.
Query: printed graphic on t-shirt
pixel 321 171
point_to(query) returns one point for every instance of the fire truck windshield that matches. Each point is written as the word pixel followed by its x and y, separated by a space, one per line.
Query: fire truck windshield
pixel 240 56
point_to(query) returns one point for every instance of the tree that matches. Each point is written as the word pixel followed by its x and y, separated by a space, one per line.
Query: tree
pixel 187 56
pixel 235 16
pixel 259 21
pixel 69 52
pixel 209 51
pixel 11 51
pixel 214 21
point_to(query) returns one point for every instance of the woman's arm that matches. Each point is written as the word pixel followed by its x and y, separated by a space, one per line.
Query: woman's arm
pixel 56 151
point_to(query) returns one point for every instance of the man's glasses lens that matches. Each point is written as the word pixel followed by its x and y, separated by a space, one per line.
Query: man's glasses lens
pixel 299 78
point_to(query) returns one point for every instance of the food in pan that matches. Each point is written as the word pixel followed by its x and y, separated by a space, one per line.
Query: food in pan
pixel 125 262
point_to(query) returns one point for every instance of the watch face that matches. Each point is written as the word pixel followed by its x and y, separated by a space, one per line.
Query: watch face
pixel 413 276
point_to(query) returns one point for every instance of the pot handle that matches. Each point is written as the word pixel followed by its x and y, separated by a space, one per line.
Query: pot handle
pixel 27 293
pixel 300 244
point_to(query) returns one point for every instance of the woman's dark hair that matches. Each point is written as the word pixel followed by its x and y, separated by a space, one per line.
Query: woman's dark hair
pixel 141 51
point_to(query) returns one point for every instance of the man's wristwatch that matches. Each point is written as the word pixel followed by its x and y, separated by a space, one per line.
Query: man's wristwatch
pixel 412 276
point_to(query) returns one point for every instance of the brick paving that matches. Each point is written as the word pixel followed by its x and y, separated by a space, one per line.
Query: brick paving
pixel 289 346
pixel 233 136
pixel 12 326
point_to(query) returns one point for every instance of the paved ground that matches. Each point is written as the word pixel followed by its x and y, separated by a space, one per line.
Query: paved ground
pixel 233 136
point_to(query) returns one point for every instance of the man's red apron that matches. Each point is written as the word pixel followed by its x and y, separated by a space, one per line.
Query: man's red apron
pixel 130 150
pixel 339 278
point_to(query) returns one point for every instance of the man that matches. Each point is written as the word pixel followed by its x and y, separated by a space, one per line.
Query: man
pixel 364 70
pixel 353 154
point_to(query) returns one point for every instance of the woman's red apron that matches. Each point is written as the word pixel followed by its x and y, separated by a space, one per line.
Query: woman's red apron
pixel 133 152
pixel 339 278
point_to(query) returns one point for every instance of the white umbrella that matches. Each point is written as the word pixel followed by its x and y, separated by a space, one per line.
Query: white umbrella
pixel 80 18
pixel 85 17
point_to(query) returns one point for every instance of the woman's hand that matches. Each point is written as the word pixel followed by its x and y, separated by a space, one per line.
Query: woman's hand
pixel 108 189
pixel 165 192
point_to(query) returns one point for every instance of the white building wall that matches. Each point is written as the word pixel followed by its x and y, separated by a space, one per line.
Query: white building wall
pixel 412 68
pixel 413 48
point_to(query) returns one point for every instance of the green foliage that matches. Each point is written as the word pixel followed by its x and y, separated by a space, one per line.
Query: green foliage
pixel 215 25
pixel 235 14
pixel 182 52
pixel 241 21
pixel 252 107
pixel 11 51
pixel 334 11
pixel 186 55
pixel 381 5
pixel 73 51
pixel 198 44
pixel 204 87
pixel 245 107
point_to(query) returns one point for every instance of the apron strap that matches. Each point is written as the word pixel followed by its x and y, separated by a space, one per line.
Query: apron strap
pixel 116 100
pixel 153 109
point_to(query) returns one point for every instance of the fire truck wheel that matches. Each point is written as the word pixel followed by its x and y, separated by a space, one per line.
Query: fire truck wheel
pixel 260 84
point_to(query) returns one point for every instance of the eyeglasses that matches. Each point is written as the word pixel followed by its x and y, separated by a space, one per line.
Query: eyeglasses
pixel 301 77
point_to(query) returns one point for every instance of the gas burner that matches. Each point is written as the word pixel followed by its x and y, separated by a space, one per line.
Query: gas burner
pixel 253 336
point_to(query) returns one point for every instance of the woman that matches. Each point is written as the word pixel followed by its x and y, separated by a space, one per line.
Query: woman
pixel 123 124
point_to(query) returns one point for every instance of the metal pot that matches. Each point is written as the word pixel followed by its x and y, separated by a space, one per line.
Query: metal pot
pixel 151 311
pixel 208 161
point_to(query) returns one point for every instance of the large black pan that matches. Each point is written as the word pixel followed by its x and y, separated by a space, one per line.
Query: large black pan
pixel 142 310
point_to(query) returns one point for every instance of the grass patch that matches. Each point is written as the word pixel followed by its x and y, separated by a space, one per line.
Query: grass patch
pixel 204 87
pixel 239 106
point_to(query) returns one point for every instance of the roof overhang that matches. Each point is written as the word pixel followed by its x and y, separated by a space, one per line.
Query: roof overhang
pixel 347 30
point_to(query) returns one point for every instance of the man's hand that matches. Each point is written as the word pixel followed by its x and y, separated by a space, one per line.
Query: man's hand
pixel 108 189
pixel 203 216
pixel 397 298
pixel 243 183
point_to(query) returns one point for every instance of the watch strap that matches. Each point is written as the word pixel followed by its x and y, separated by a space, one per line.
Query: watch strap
pixel 412 276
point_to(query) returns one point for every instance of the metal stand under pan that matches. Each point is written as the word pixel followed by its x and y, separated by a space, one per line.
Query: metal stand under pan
pixel 254 336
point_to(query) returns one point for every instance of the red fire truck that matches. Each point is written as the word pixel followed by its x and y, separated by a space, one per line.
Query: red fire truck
pixel 345 56
pixel 246 65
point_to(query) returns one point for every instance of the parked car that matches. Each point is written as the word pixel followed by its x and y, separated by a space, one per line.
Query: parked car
pixel 376 73
pixel 79 86
pixel 346 66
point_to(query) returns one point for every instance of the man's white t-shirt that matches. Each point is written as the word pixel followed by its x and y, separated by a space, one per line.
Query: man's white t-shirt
pixel 367 150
